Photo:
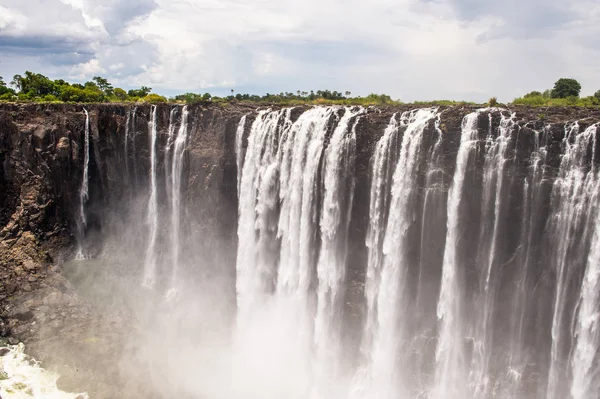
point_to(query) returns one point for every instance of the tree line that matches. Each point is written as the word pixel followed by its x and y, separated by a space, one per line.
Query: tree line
pixel 566 91
pixel 36 87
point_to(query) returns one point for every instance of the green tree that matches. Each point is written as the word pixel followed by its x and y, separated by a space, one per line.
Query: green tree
pixel 597 94
pixel 120 94
pixel 104 85
pixel 566 87
pixel 154 98
pixel 5 91
pixel 33 84
pixel 141 92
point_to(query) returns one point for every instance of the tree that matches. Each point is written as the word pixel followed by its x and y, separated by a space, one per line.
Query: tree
pixel 5 90
pixel 120 94
pixel 141 92
pixel 597 94
pixel 33 84
pixel 566 87
pixel 154 98
pixel 104 85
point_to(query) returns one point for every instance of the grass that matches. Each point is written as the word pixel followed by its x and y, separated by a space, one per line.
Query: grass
pixel 541 101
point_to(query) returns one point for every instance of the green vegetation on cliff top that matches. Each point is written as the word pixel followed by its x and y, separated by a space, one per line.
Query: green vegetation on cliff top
pixel 35 87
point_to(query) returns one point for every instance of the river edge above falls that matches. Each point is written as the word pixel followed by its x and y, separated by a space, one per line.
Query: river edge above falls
pixel 41 153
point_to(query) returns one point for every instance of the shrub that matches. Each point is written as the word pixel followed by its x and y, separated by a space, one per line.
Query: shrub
pixel 533 94
pixel 493 102
pixel 154 98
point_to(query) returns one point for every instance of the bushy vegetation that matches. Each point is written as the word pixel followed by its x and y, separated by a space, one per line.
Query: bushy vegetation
pixel 288 98
pixel 565 93
pixel 36 87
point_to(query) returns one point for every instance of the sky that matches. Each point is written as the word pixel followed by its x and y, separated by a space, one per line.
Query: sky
pixel 410 49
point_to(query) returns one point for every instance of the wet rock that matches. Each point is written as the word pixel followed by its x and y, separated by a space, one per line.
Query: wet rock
pixel 4 351
pixel 13 340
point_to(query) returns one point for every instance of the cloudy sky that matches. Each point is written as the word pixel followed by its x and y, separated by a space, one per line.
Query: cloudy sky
pixel 410 49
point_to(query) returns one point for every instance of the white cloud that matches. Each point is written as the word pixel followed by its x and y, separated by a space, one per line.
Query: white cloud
pixel 411 49
pixel 87 69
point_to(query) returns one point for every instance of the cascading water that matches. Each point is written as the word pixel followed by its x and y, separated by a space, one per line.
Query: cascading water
pixel 292 182
pixel 126 145
pixel 338 186
pixel 450 369
pixel 496 158
pixel 533 199
pixel 152 218
pixel 586 357
pixel 168 151
pixel 575 198
pixel 239 141
pixel 176 176
pixel 84 190
pixel 387 285
pixel 292 245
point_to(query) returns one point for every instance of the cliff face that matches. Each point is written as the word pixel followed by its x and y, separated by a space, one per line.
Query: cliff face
pixel 41 167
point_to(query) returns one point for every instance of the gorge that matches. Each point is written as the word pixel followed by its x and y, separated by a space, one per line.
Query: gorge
pixel 304 252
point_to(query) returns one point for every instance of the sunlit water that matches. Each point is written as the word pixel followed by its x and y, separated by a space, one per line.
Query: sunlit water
pixel 22 377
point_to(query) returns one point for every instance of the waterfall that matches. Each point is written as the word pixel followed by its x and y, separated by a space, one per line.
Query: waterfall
pixel 152 217
pixel 338 185
pixel 296 190
pixel 389 301
pixel 450 370
pixel 533 199
pixel 586 358
pixel 168 149
pixel 575 200
pixel 84 190
pixel 239 141
pixel 384 160
pixel 259 178
pixel 176 174
pixel 126 146
pixel 496 158
pixel 133 146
